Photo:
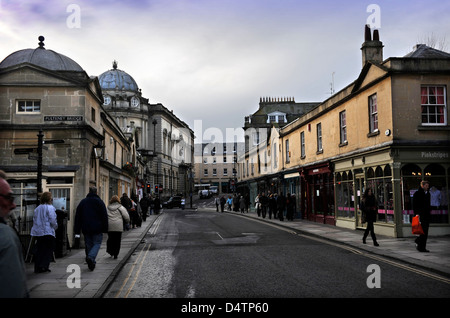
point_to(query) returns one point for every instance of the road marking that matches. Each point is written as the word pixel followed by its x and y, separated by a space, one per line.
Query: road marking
pixel 155 226
pixel 138 271
pixel 129 275
pixel 411 269
pixel 359 252
pixel 140 259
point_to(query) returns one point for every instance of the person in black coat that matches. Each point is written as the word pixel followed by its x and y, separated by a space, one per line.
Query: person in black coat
pixel 145 203
pixel 281 205
pixel 421 206
pixel 369 208
pixel 91 218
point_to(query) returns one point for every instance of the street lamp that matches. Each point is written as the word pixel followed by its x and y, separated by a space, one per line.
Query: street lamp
pixel 155 122
pixel 98 150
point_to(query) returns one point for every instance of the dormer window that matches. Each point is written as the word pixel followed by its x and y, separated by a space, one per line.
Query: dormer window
pixel 276 117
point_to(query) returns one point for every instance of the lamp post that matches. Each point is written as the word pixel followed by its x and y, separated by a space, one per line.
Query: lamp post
pixel 155 122
pixel 98 150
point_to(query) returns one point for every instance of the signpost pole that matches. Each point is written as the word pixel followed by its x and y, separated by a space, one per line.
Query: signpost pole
pixel 39 163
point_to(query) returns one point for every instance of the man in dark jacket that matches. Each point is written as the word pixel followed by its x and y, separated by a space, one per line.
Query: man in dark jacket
pixel 421 206
pixel 92 219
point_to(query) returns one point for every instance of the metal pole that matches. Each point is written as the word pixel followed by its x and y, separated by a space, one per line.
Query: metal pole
pixel 39 164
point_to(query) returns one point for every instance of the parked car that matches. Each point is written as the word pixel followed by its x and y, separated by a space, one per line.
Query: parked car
pixel 172 202
pixel 204 194
pixel 214 190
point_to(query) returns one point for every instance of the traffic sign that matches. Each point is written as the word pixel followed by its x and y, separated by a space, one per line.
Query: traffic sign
pixel 24 151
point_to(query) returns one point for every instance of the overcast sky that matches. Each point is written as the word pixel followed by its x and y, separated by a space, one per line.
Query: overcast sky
pixel 211 60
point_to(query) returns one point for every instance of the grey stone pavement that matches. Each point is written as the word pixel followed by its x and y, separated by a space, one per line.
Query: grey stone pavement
pixel 58 282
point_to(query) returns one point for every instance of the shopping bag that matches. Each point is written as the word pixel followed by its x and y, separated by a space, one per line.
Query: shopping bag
pixel 416 226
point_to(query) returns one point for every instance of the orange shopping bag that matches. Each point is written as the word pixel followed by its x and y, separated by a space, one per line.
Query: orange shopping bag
pixel 416 227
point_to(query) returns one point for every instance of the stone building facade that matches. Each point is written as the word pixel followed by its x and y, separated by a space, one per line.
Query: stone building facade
pixel 387 130
pixel 48 100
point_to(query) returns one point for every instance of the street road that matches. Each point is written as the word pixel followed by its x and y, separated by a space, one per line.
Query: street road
pixel 208 254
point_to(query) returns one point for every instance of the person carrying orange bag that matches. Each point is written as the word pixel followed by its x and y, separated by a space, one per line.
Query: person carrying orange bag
pixel 416 226
pixel 422 208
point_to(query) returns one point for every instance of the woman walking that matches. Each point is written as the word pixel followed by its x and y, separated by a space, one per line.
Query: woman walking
pixel 117 215
pixel 369 207
pixel 44 226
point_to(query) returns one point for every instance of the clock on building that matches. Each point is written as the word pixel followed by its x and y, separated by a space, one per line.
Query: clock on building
pixel 134 102
pixel 106 100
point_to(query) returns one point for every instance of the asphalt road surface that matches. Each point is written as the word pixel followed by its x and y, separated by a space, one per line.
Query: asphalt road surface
pixel 206 254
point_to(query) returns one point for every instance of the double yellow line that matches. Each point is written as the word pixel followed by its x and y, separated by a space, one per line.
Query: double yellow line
pixel 359 252
pixel 140 260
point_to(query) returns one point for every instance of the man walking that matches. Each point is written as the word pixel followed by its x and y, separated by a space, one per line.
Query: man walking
pixel 421 206
pixel 92 219
pixel 13 283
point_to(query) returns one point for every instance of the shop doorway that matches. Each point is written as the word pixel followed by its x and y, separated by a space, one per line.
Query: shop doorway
pixel 359 191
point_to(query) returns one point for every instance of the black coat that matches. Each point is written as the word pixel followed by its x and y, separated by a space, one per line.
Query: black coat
pixel 91 216
pixel 369 207
pixel 421 205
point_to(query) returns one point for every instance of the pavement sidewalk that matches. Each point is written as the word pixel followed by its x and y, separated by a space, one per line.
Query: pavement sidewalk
pixel 94 283
pixel 54 284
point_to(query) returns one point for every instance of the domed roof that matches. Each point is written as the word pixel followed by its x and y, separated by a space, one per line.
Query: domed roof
pixel 116 78
pixel 41 57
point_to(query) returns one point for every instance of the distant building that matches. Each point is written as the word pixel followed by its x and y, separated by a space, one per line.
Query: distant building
pixel 216 164
pixel 163 144
pixel 261 159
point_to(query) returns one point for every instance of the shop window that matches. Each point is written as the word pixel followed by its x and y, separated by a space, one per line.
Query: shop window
pixel 381 184
pixel 370 173
pixel 61 199
pixel 435 174
pixel 345 196
pixel 387 171
pixel 411 175
pixel 379 172
pixel 25 199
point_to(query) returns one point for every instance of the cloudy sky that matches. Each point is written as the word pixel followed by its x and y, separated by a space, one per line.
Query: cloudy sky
pixel 211 60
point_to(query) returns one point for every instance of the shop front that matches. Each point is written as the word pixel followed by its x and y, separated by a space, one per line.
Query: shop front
pixel 394 176
pixel 292 186
pixel 24 186
pixel 352 176
pixel 433 166
pixel 317 193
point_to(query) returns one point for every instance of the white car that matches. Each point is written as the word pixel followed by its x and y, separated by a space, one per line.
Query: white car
pixel 204 194
pixel 214 190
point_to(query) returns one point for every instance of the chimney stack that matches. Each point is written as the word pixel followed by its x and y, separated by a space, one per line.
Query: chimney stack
pixel 372 48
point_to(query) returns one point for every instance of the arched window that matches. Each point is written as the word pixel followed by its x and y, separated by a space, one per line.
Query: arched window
pixel 387 171
pixel 370 173
pixel 379 172
pixel 410 170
